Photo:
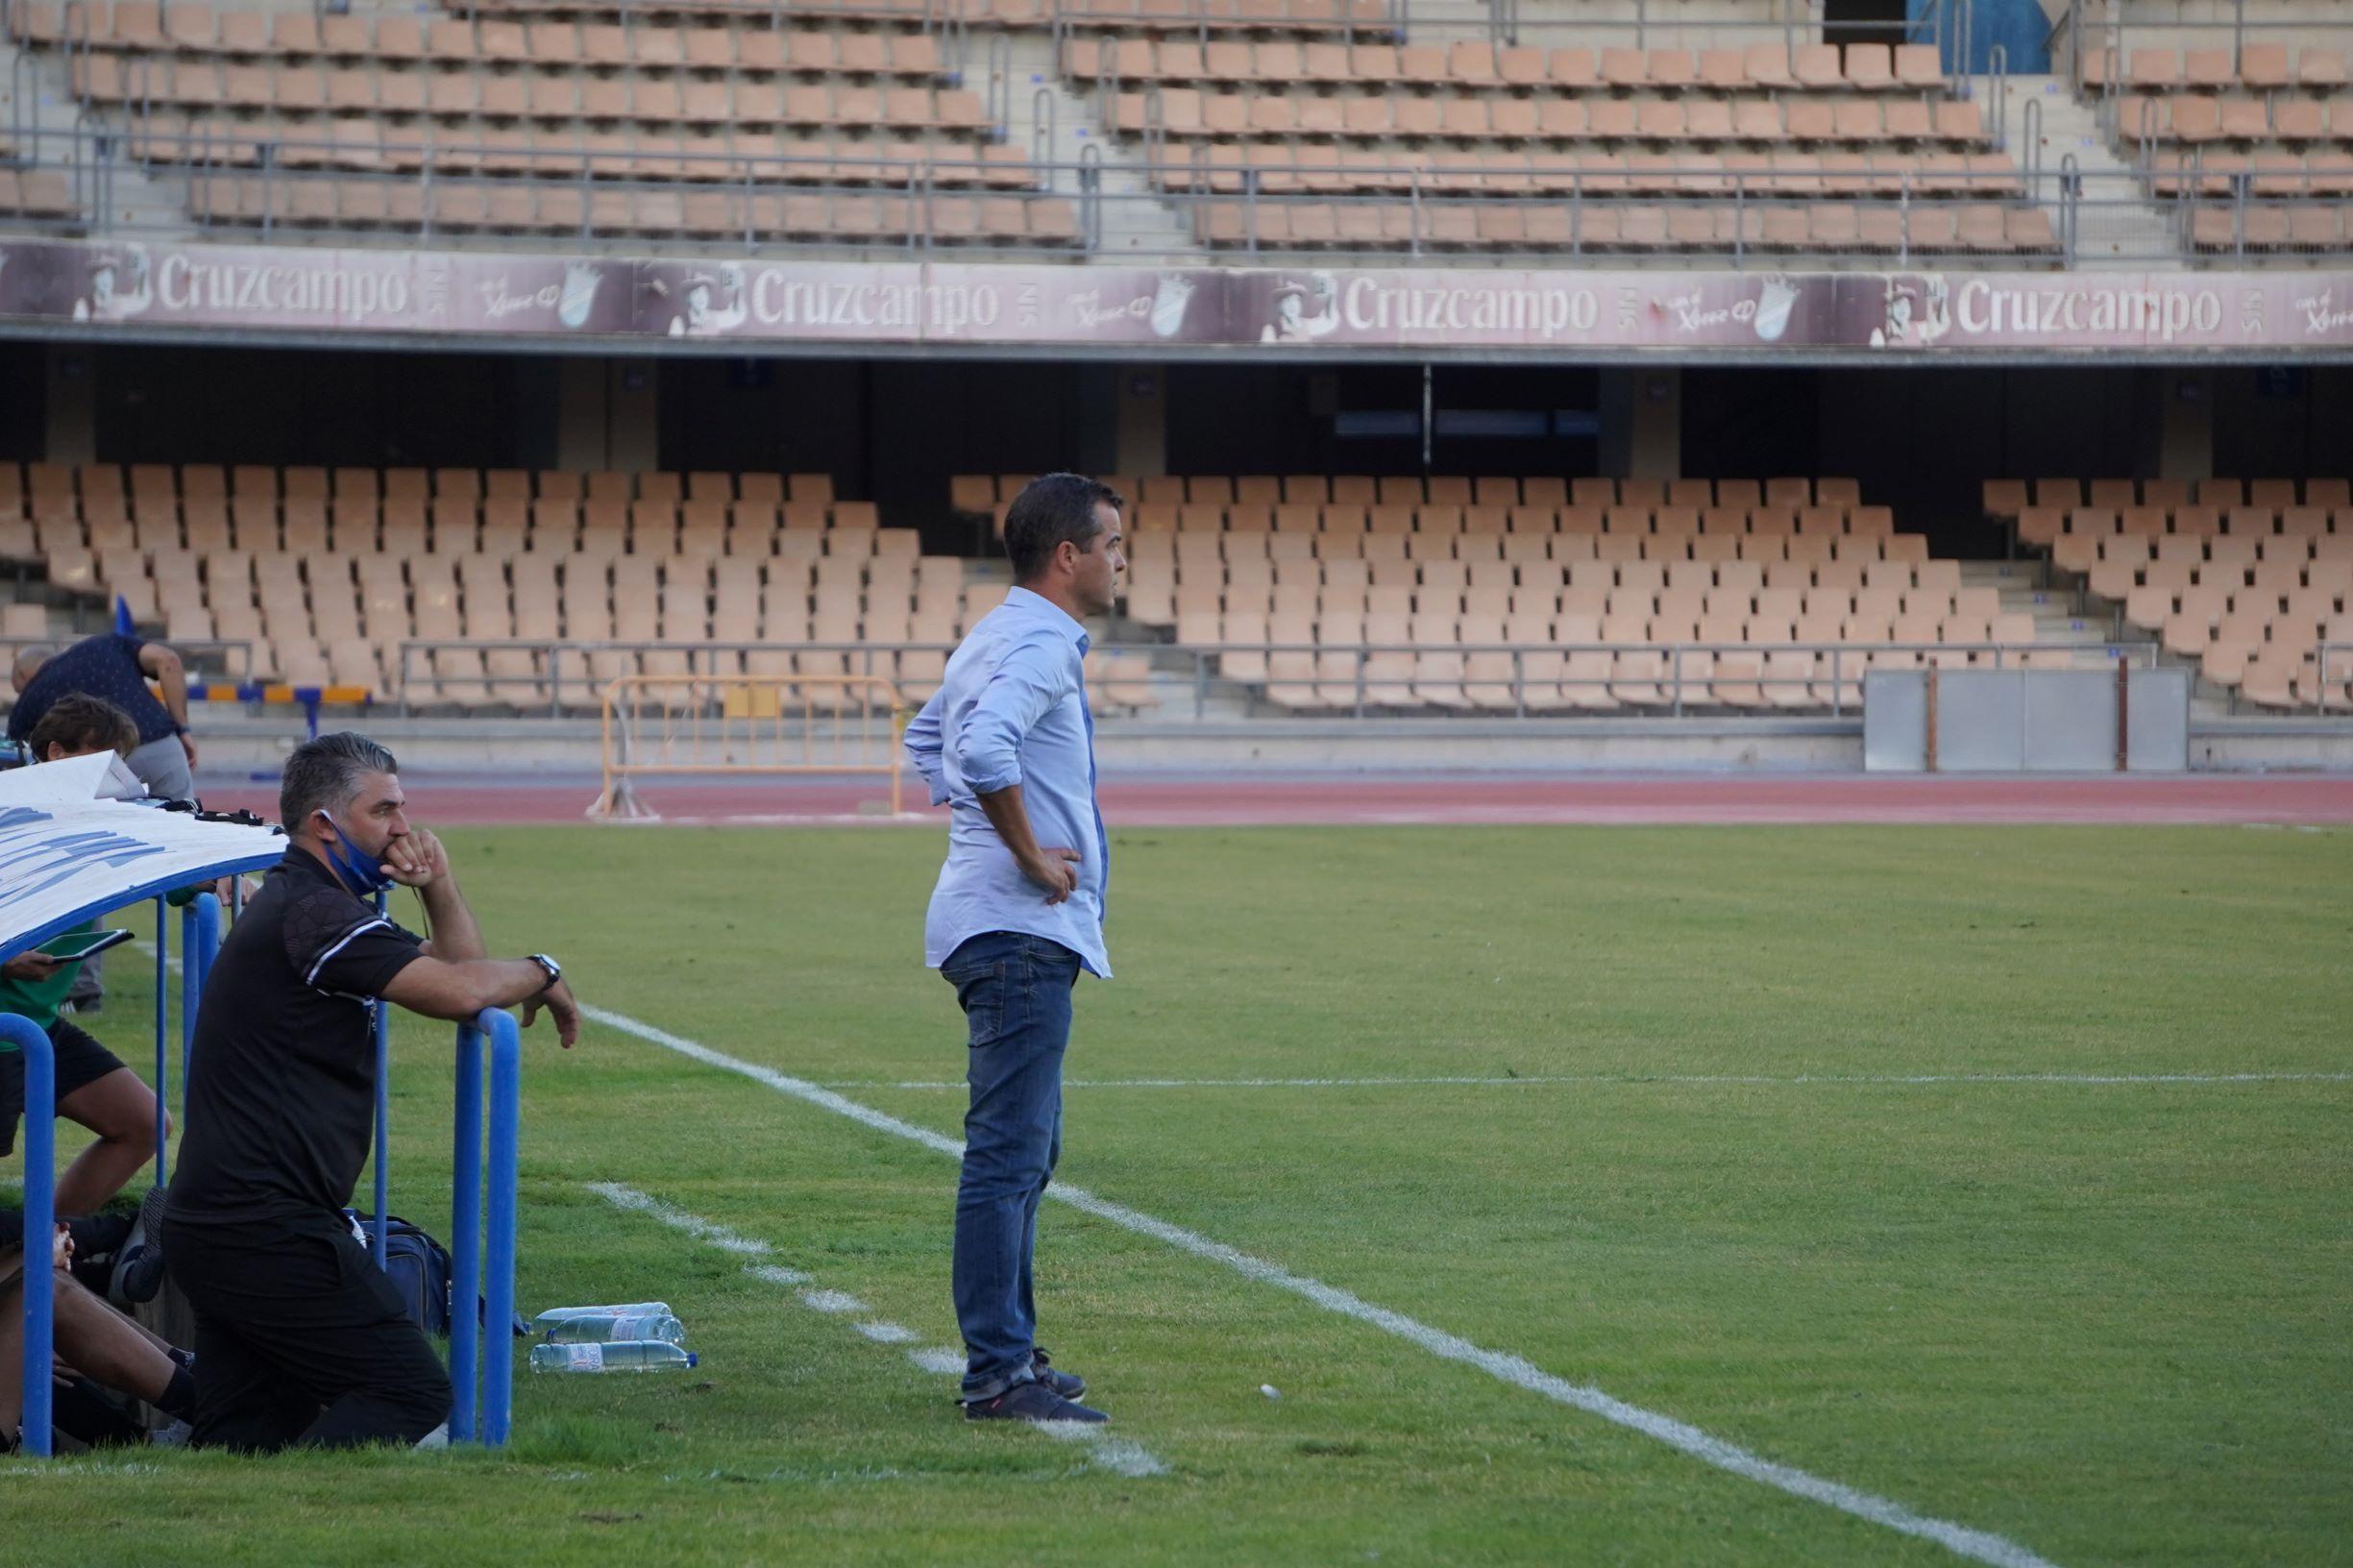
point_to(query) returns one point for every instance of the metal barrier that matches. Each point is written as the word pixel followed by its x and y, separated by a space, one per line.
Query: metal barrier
pixel 1840 665
pixel 745 727
pixel 567 670
pixel 38 1282
pixel 931 14
pixel 195 650
pixel 484 1306
pixel 200 936
pixel 1670 685
pixel 1686 206
pixel 481 1255
pixel 2109 30
pixel 2321 703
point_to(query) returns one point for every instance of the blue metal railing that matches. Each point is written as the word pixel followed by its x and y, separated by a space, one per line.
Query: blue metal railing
pixel 381 1229
pixel 484 1309
pixel 200 938
pixel 482 1287
pixel 163 1055
pixel 41 1221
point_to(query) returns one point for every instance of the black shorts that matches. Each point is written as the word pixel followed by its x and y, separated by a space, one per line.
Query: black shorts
pixel 81 1063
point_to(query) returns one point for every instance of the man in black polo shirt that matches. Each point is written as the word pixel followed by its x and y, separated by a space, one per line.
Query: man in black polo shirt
pixel 299 1337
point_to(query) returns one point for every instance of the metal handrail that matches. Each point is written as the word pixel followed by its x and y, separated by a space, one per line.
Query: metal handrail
pixel 2321 659
pixel 281 166
pixel 1674 652
pixel 1998 94
pixel 1205 657
pixel 198 649
pixel 558 649
pixel 2110 34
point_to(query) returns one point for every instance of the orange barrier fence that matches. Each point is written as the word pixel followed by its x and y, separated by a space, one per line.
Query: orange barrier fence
pixel 745 727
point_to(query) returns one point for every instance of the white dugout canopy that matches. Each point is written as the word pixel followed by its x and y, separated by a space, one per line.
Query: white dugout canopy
pixel 78 838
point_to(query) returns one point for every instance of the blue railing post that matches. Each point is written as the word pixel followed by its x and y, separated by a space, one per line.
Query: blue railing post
pixel 191 986
pixel 163 1055
pixel 208 907
pixel 482 1290
pixel 39 1303
pixel 505 1153
pixel 466 1233
pixel 200 936
pixel 383 1124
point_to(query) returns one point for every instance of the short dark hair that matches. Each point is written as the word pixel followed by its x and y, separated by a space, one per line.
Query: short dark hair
pixel 81 723
pixel 324 774
pixel 1049 509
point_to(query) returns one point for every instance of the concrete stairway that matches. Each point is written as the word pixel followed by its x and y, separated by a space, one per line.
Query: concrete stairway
pixel 41 116
pixel 2066 615
pixel 1055 125
pixel 2059 621
pixel 2117 225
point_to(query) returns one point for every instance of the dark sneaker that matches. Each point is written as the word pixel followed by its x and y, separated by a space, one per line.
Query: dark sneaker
pixel 1030 1402
pixel 97 1239
pixel 138 1263
pixel 1068 1385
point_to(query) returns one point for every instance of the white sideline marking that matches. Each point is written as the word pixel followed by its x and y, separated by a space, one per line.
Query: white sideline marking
pixel 1978 1545
pixel 1641 1078
pixel 1114 1453
pixel 678 1220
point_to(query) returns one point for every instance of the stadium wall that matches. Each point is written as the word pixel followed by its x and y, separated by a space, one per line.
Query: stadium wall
pixel 544 747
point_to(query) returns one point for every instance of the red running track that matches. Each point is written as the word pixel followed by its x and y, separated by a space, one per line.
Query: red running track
pixel 1445 801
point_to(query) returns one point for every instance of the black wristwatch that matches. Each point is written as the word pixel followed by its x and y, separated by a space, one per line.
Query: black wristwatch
pixel 556 972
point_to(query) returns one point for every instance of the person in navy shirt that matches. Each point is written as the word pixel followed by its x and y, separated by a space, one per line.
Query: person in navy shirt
pixel 114 669
pixel 1008 743
pixel 117 668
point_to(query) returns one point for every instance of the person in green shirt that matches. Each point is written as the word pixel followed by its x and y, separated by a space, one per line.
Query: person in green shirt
pixel 94 1088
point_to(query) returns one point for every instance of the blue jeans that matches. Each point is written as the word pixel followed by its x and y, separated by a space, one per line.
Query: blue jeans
pixel 1015 991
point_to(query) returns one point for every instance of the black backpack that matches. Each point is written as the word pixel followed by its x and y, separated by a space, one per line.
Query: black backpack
pixel 419 1269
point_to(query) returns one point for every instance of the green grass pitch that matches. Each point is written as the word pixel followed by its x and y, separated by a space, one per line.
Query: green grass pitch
pixel 2107 1321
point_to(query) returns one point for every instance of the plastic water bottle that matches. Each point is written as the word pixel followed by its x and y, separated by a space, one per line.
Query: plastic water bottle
pixel 620 1356
pixel 558 1314
pixel 601 1330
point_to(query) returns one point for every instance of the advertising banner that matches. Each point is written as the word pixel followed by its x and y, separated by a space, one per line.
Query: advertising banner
pixel 1119 309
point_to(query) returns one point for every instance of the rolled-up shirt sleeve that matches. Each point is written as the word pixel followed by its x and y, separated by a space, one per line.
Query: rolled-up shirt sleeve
pixel 1026 684
pixel 923 744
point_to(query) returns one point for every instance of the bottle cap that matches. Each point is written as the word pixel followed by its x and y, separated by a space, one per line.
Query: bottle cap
pixel 693 1359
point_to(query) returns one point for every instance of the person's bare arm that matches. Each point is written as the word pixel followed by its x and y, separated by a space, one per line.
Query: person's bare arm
pixel 1056 870
pixel 165 666
pixel 441 988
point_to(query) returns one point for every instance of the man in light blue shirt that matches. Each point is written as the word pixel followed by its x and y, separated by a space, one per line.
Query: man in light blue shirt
pixel 1008 743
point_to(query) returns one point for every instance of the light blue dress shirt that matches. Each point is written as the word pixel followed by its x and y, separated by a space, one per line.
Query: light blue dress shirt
pixel 1012 709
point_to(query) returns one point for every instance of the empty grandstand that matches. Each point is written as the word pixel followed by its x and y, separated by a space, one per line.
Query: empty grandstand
pixel 1549 364
pixel 1736 130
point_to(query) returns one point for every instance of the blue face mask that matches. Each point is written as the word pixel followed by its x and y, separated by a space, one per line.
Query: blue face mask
pixel 360 873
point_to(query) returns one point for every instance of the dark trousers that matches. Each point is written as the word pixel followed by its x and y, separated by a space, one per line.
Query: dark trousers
pixel 1015 995
pixel 299 1339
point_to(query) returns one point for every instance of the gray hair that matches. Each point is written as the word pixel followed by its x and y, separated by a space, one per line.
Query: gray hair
pixel 324 774
pixel 29 661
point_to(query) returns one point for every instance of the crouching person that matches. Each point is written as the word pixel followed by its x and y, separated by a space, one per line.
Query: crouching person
pixel 299 1339
pixel 96 1348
